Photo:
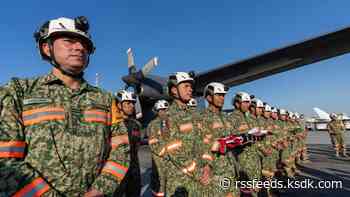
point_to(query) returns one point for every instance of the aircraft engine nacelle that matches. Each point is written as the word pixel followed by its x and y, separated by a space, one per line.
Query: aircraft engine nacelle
pixel 152 88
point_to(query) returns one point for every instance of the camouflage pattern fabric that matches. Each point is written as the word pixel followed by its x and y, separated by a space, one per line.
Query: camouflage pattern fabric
pixel 216 125
pixel 176 144
pixel 337 128
pixel 249 156
pixel 131 184
pixel 56 141
pixel 283 138
pixel 269 161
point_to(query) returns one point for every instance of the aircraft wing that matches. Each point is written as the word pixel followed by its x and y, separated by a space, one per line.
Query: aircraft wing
pixel 279 60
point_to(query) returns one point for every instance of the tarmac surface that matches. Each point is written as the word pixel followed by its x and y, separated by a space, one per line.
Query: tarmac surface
pixel 325 176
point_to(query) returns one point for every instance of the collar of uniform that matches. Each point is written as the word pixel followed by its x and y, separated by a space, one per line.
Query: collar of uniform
pixel 52 79
pixel 178 107
pixel 212 112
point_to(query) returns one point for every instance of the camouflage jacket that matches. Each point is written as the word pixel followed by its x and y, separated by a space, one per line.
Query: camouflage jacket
pixel 336 127
pixel 284 133
pixel 56 141
pixel 272 127
pixel 215 125
pixel 175 140
pixel 241 122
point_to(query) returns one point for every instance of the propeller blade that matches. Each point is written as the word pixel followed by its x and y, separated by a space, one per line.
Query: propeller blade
pixel 131 62
pixel 138 108
pixel 147 68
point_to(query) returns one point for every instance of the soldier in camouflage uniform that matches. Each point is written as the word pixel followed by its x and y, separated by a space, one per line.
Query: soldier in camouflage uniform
pixel 55 129
pixel 295 130
pixel 176 143
pixel 270 126
pixel 125 105
pixel 303 155
pixel 264 146
pixel 285 141
pixel 299 136
pixel 337 128
pixel 278 143
pixel 248 156
pixel 291 143
pixel 215 126
pixel 155 129
pixel 269 162
pixel 159 108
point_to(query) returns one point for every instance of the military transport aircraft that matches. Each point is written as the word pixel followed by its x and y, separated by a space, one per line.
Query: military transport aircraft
pixel 149 89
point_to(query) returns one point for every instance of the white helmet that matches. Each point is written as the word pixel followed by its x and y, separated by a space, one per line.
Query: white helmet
pixel 267 108
pixel 290 114
pixel 274 110
pixel 180 77
pixel 161 104
pixel 241 97
pixel 78 27
pixel 123 95
pixel 333 115
pixel 192 102
pixel 296 115
pixel 215 88
pixel 282 112
pixel 257 103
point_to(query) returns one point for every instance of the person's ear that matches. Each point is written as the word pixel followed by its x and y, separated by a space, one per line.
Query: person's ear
pixel 46 49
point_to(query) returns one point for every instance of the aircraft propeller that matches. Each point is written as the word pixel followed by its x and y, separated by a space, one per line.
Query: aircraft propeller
pixel 133 79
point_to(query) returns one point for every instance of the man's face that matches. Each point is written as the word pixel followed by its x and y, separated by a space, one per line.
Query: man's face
pixel 283 117
pixel 219 100
pixel 216 100
pixel 185 91
pixel 244 106
pixel 70 53
pixel 267 114
pixel 162 112
pixel 252 110
pixel 274 115
pixel 258 111
pixel 128 108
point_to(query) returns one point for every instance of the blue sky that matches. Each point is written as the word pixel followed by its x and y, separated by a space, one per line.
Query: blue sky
pixel 190 35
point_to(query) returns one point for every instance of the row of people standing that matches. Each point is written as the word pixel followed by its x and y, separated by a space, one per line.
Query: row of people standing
pixel 196 152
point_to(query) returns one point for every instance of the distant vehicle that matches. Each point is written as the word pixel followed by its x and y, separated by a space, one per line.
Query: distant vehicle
pixel 320 122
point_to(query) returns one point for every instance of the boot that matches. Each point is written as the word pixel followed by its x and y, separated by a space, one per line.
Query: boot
pixel 344 153
pixel 337 154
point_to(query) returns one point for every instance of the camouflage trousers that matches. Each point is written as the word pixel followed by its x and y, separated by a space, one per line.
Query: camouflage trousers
pixel 167 178
pixel 332 138
pixel 250 167
pixel 285 153
pixel 225 176
pixel 269 162
pixel 339 141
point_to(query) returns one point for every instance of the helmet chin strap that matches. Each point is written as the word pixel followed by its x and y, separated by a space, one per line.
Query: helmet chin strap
pixel 213 103
pixel 61 68
pixel 179 96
